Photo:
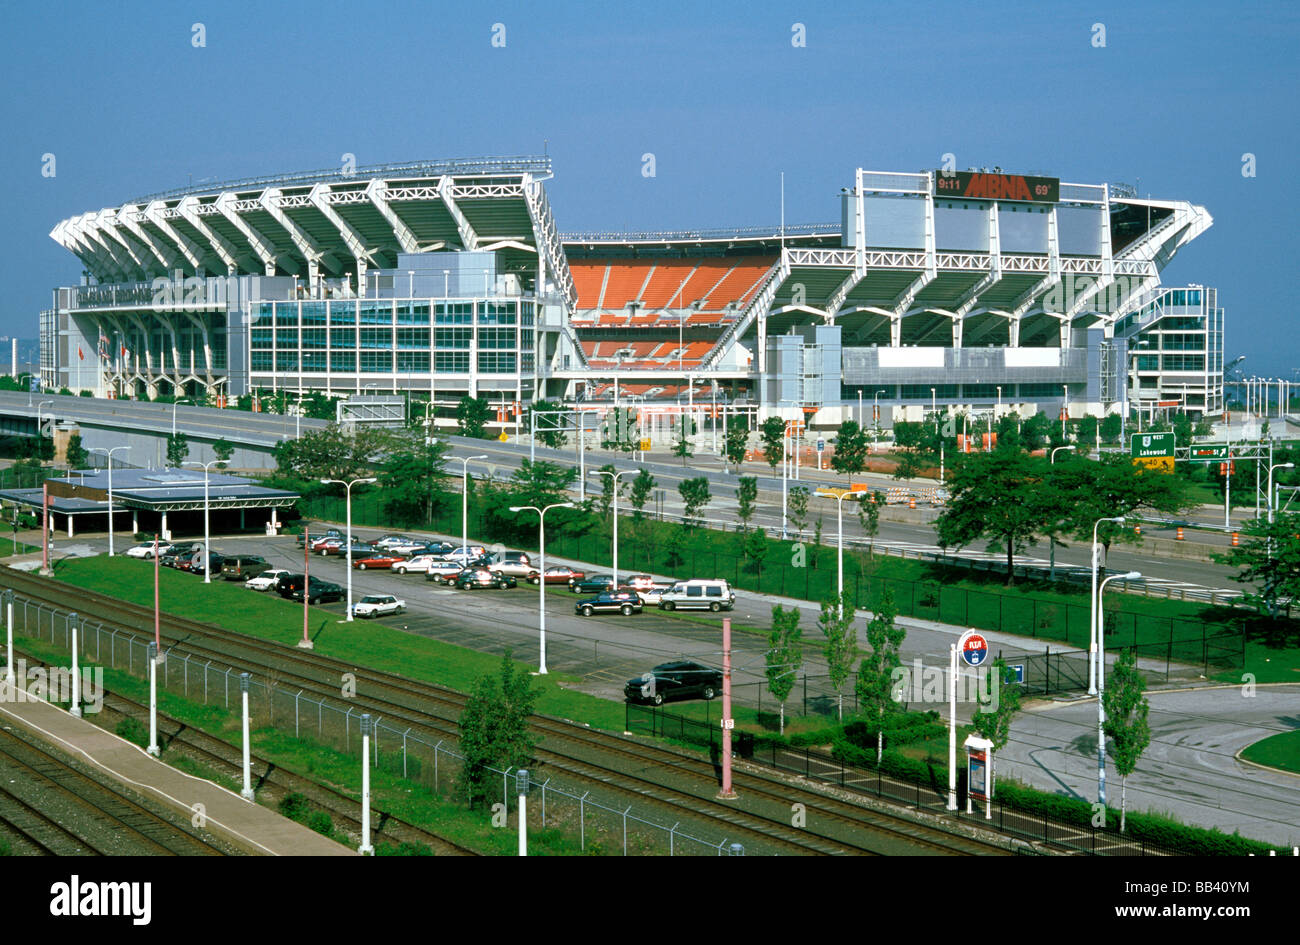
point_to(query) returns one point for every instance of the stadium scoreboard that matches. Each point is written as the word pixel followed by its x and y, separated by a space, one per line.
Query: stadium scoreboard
pixel 978 186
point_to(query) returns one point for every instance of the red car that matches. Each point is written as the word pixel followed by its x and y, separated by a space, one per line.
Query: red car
pixel 376 561
pixel 326 546
pixel 563 574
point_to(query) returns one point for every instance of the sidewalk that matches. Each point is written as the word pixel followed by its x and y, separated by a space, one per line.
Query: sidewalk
pixel 250 826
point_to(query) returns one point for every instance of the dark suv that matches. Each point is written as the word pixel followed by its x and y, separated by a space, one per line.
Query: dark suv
pixel 593 584
pixel 667 682
pixel 626 603
pixel 318 591
pixel 243 567
pixel 471 578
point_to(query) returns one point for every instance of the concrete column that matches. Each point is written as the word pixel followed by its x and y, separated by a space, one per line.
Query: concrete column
pixel 166 535
pixel 135 523
pixel 69 526
pixel 241 520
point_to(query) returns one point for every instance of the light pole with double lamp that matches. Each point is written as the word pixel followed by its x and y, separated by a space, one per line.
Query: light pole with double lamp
pixel 107 451
pixel 207 532
pixel 541 574
pixel 306 588
pixel 1101 689
pixel 1051 563
pixel 875 411
pixel 464 504
pixel 1092 620
pixel 614 476
pixel 839 495
pixel 175 404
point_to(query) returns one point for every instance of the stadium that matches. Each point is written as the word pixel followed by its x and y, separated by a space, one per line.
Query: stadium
pixel 974 290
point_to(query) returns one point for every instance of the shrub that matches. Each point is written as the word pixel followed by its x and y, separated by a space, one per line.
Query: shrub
pixel 295 806
pixel 321 822
pixel 404 849
pixel 133 730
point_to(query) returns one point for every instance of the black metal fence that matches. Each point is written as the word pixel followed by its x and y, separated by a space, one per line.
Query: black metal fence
pixel 930 795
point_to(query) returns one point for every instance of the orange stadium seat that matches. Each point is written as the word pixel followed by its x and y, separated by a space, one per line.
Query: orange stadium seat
pixel 587 280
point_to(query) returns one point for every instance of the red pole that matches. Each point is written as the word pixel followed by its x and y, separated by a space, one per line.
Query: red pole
pixel 45 527
pixel 157 639
pixel 306 585
pixel 727 721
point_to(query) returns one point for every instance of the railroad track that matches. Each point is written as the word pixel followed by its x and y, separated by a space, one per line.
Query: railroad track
pixel 111 822
pixel 841 827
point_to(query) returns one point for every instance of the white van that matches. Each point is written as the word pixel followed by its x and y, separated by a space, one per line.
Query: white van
pixel 698 595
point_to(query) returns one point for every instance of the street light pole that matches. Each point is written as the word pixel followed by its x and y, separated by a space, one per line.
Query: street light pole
pixel 306 588
pixel 1051 564
pixel 207 533
pixel 614 476
pixel 464 504
pixel 109 453
pixel 541 574
pixel 1101 693
pixel 175 404
pixel 1093 625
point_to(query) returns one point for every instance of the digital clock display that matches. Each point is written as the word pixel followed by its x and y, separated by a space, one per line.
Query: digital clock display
pixel 977 186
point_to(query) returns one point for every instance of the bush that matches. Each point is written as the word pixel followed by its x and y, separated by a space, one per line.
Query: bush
pixel 404 849
pixel 902 728
pixel 133 730
pixel 321 822
pixel 295 806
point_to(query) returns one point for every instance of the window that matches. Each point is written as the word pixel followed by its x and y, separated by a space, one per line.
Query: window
pixel 1184 362
pixel 1148 362
pixel 286 337
pixel 377 338
pixel 343 313
pixel 343 361
pixel 313 361
pixel 260 338
pixel 409 362
pixel 453 313
pixel 262 361
pixel 313 313
pixel 453 337
pixel 922 391
pixel 694 591
pixel 496 338
pixel 343 338
pixel 286 360
pixel 1041 390
pixel 496 362
pixel 413 338
pixel 373 313
pixel 286 313
pixel 452 362
pixel 313 337
pixel 377 362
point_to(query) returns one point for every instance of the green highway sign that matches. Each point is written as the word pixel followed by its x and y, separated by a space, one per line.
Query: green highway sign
pixel 1208 451
pixel 1151 445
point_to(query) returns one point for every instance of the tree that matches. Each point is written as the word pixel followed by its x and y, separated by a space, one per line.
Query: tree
pixel 813 560
pixel 784 655
pixel 1007 498
pixel 841 647
pixel 735 441
pixel 1111 426
pixel 606 500
pixel 695 496
pixel 1086 431
pixel 542 422
pixel 994 723
pixel 333 453
pixel 78 456
pixel 1009 439
pixel 755 549
pixel 178 447
pixel 472 416
pixel 1126 711
pixel 875 683
pixel 1036 431
pixel 223 449
pixel 772 436
pixel 412 480
pixel 851 448
pixel 1268 560
pixel 683 429
pixel 642 486
pixel 1111 487
pixel 494 730
pixel 869 519
pixel 797 508
pixel 746 499
pixel 541 482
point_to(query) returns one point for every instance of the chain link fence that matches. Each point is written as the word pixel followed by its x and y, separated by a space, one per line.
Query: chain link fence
pixel 596 817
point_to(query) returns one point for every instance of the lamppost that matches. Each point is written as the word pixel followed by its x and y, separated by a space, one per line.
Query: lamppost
pixel 875 410
pixel 175 404
pixel 464 504
pixel 1101 690
pixel 109 453
pixel 541 574
pixel 1051 564
pixel 38 415
pixel 1092 622
pixel 840 496
pixel 1065 407
pixel 306 590
pixel 207 534
pixel 614 476
pixel 1271 502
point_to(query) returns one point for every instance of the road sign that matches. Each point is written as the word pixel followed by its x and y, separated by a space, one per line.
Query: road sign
pixel 1016 673
pixel 974 648
pixel 1150 445
pixel 645 443
pixel 1165 463
pixel 1208 451
pixel 504 438
pixel 821 446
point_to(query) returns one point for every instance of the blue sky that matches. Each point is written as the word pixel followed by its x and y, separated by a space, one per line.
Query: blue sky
pixel 718 94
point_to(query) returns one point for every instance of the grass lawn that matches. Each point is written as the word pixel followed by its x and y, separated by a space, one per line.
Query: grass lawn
pixel 1277 751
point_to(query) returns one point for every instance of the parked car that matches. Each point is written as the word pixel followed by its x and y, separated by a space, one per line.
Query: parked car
pixel 443 571
pixel 609 602
pixel 316 535
pixel 563 574
pixel 267 580
pixel 378 560
pixel 593 584
pixel 386 542
pixel 416 565
pixel 194 565
pixel 145 549
pixel 515 563
pixel 472 578
pixel 469 553
pixel 378 605
pixel 438 548
pixel 412 546
pixel 667 682
pixel 325 546
pixel 712 595
pixel 243 567
pixel 359 550
pixel 318 591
